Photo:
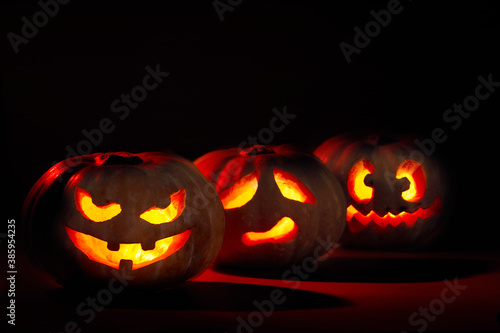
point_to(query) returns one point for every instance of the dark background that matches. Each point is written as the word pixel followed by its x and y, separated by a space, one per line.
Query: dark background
pixel 226 77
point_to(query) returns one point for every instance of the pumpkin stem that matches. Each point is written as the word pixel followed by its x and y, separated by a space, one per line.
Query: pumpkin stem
pixel 257 150
pixel 121 158
pixel 381 140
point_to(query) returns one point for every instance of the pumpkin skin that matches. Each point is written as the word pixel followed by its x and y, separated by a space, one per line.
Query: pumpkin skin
pixel 86 220
pixel 269 227
pixel 403 194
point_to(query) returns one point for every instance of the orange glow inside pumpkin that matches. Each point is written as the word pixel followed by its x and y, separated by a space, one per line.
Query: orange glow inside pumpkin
pixel 155 215
pixel 394 220
pixel 240 192
pixel 291 188
pixel 97 250
pixel 414 172
pixel 356 186
pixel 285 230
pixel 93 212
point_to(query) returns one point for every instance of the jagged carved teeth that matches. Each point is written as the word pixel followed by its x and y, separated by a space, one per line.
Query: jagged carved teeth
pixel 394 220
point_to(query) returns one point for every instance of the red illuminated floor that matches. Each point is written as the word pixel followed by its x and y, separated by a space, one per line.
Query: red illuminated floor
pixel 351 291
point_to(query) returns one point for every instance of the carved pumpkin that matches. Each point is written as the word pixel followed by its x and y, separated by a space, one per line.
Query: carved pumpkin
pixel 147 215
pixel 278 202
pixel 395 194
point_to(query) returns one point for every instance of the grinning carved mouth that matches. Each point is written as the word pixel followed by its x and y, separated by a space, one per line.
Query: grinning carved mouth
pixel 97 250
pixel 283 231
pixel 394 220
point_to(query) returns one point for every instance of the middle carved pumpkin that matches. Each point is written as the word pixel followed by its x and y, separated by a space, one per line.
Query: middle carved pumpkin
pixel 280 205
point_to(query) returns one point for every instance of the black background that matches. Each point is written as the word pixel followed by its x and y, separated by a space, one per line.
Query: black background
pixel 226 77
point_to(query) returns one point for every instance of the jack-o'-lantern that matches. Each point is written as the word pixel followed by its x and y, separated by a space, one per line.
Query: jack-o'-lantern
pixel 147 215
pixel 395 194
pixel 278 202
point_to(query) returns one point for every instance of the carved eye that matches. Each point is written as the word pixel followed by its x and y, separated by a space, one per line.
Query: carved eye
pixel 93 212
pixel 155 215
pixel 291 188
pixel 356 186
pixel 240 192
pixel 414 172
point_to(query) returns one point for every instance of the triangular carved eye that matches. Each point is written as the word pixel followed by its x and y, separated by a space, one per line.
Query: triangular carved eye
pixel 241 192
pixel 414 172
pixel 91 211
pixel 155 215
pixel 292 188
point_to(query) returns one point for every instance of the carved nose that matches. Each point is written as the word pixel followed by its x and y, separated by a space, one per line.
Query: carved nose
pixel 387 194
pixel 390 182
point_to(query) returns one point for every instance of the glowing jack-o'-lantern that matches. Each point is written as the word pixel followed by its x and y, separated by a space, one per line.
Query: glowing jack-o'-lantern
pixel 277 200
pixel 140 214
pixel 114 254
pixel 395 193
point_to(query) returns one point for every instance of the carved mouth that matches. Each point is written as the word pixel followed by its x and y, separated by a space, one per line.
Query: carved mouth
pixel 99 251
pixel 394 220
pixel 285 230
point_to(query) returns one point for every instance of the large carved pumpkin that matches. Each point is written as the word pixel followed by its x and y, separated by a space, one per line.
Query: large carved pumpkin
pixel 278 203
pixel 146 215
pixel 396 195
